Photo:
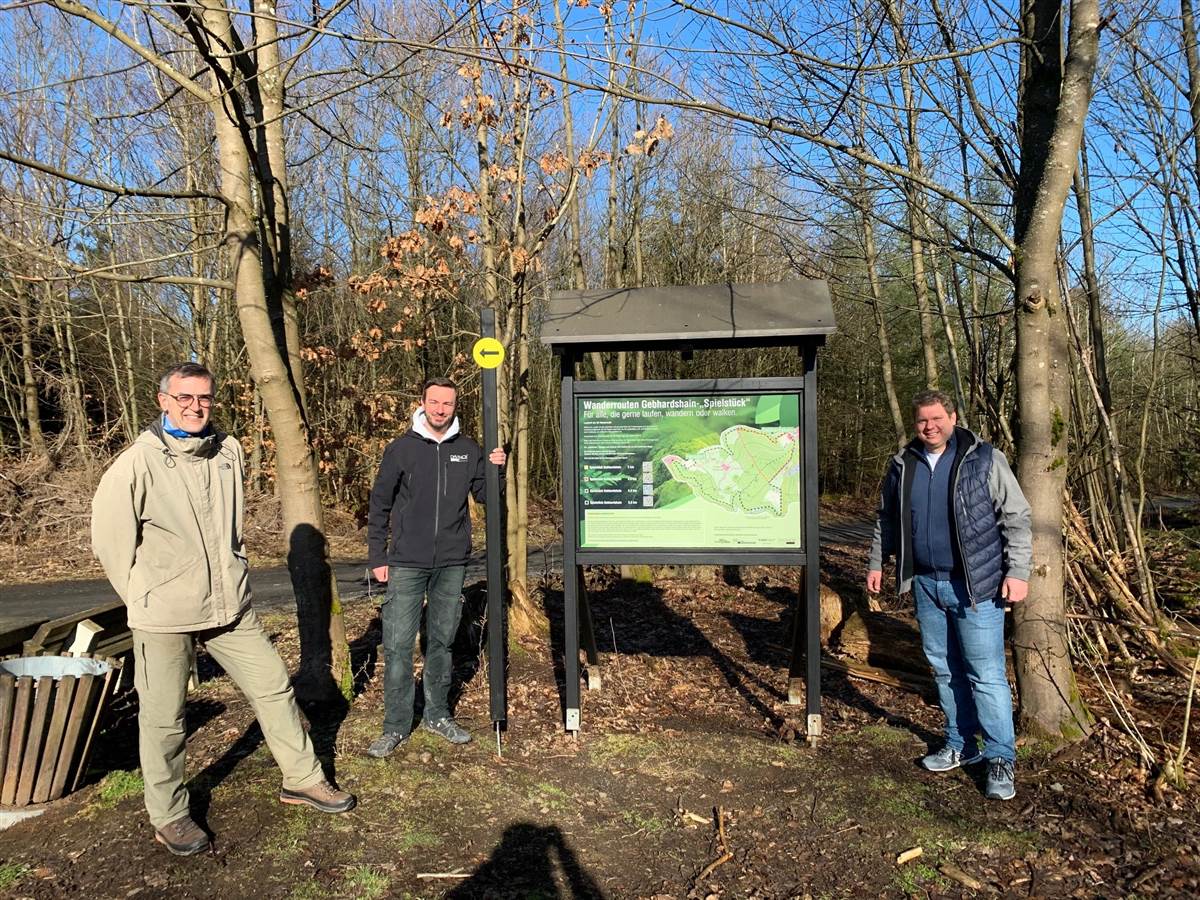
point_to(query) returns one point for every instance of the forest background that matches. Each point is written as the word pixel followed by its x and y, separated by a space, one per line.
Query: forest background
pixel 315 201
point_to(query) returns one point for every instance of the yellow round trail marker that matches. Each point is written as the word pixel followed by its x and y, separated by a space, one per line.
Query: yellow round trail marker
pixel 488 353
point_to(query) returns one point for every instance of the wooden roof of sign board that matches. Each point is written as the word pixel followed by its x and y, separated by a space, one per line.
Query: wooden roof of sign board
pixel 758 314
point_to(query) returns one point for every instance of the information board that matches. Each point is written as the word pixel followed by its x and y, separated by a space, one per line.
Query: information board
pixel 715 471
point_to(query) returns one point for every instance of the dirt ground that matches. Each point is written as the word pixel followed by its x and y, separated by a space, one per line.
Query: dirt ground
pixel 687 780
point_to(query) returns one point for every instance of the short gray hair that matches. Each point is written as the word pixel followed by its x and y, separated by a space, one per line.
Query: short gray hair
pixel 184 370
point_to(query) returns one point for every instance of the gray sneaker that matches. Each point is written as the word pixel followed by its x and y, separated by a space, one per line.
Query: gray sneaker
pixel 447 728
pixel 948 758
pixel 1001 780
pixel 386 744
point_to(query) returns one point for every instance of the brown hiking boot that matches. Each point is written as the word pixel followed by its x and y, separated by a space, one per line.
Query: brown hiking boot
pixel 183 837
pixel 322 795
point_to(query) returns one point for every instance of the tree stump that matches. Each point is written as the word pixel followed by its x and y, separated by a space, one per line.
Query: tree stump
pixel 883 640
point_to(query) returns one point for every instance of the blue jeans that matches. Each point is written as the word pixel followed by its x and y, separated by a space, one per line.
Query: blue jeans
pixel 406 592
pixel 965 648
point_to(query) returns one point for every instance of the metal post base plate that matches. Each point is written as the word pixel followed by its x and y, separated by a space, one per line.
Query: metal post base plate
pixel 814 728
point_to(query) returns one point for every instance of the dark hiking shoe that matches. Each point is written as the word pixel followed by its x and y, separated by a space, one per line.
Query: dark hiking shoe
pixel 447 728
pixel 183 837
pixel 948 758
pixel 386 744
pixel 322 795
pixel 1001 780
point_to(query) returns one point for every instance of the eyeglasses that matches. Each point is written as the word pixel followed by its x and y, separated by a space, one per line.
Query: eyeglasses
pixel 204 400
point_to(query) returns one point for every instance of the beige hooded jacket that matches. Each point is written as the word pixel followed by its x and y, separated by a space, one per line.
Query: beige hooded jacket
pixel 167 527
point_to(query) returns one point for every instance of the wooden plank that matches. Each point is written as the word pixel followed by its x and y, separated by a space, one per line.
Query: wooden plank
pixel 53 636
pixel 8 690
pixel 87 634
pixel 97 714
pixel 64 692
pixel 12 640
pixel 113 645
pixel 16 742
pixel 42 695
pixel 84 688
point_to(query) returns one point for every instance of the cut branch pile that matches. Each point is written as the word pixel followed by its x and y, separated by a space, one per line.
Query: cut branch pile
pixel 1121 622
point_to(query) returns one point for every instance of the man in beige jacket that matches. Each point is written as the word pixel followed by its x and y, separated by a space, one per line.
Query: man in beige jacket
pixel 167 527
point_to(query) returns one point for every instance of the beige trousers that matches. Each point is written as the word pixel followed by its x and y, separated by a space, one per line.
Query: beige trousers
pixel 162 664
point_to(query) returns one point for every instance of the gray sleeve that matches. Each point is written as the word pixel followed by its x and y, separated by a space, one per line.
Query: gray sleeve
pixel 883 541
pixel 1012 513
pixel 875 558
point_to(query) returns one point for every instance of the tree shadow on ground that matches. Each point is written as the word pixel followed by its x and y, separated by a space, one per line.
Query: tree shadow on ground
pixel 469 642
pixel 525 864
pixel 632 617
pixel 324 720
pixel 466 651
pixel 769 642
pixel 117 747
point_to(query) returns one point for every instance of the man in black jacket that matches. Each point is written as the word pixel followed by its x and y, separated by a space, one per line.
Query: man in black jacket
pixel 419 541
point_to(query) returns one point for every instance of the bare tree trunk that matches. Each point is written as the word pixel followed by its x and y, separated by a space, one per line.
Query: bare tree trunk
pixel 1188 25
pixel 939 293
pixel 575 213
pixel 29 389
pixel 871 261
pixel 72 394
pixel 915 201
pixel 1054 101
pixel 129 372
pixel 324 672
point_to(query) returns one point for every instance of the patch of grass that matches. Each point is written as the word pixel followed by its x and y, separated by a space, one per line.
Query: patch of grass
pixel 884 736
pixel 11 874
pixel 915 877
pixel 1037 749
pixel 291 833
pixel 549 796
pixel 897 798
pixel 657 757
pixel 411 839
pixel 117 786
pixel 365 882
pixel 309 890
pixel 613 747
pixel 383 779
pixel 646 824
pixel 970 834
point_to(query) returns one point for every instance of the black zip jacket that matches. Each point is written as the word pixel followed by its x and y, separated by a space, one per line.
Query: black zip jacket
pixel 418 516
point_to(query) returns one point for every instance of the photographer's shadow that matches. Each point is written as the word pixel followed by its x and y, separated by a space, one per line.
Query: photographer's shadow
pixel 530 861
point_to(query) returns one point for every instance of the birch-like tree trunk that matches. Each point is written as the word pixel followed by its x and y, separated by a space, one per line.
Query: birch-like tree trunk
pixel 914 200
pixel 29 389
pixel 324 663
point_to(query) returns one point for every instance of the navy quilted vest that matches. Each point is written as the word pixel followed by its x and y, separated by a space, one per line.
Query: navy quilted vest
pixel 979 542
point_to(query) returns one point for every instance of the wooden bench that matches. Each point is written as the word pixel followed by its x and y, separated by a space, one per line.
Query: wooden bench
pixel 107 622
pixel 12 640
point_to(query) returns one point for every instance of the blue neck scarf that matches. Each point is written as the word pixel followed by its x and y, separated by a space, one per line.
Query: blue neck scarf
pixel 179 432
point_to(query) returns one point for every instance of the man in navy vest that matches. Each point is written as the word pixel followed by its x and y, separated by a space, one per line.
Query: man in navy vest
pixel 954 518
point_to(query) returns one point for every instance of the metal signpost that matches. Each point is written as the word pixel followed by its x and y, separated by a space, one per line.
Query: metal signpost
pixel 489 354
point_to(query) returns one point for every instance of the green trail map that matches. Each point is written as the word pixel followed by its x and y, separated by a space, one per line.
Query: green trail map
pixel 718 471
pixel 746 472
